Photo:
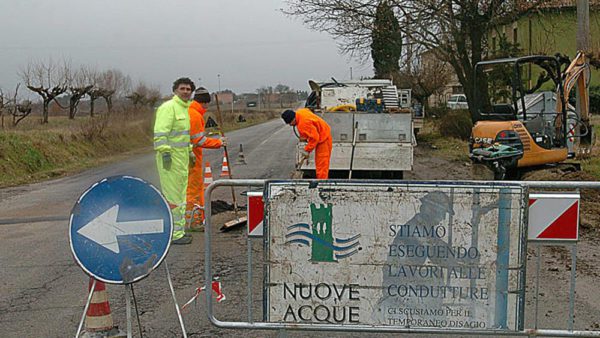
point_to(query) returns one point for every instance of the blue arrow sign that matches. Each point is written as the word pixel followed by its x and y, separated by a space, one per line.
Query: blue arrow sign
pixel 120 229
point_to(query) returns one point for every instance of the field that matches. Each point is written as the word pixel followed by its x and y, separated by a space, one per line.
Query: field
pixel 33 152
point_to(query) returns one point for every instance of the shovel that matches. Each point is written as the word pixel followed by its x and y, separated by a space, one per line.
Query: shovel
pixel 297 173
pixel 354 132
pixel 238 220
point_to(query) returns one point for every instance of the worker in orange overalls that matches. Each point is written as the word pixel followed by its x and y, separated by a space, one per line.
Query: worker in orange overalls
pixel 199 140
pixel 317 134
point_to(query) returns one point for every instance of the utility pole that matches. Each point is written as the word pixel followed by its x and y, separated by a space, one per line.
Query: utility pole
pixel 583 25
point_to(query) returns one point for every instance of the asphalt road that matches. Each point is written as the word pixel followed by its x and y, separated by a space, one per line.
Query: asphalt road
pixel 43 291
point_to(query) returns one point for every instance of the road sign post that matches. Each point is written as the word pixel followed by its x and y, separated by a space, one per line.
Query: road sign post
pixel 554 219
pixel 120 230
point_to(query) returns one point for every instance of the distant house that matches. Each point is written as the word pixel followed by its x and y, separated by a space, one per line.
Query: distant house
pixel 224 97
pixel 549 30
pixel 452 87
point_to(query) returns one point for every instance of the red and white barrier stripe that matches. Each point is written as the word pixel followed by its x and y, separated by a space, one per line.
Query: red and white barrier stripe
pixel 553 217
pixel 256 212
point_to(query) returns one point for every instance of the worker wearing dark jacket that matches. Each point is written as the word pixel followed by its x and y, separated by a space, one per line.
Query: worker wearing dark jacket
pixel 317 134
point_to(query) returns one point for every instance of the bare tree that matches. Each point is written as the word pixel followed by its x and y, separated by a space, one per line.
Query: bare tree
pixel 265 93
pixel 21 111
pixel 3 101
pixel 350 22
pixel 47 79
pixel 281 90
pixel 144 95
pixel 455 30
pixel 427 75
pixel 79 85
pixel 113 83
pixel 153 97
pixel 18 110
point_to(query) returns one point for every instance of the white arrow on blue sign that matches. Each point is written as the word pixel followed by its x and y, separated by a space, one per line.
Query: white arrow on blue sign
pixel 120 229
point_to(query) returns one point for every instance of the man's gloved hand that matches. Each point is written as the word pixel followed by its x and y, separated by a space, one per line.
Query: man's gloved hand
pixel 304 155
pixel 224 141
pixel 166 160
pixel 192 159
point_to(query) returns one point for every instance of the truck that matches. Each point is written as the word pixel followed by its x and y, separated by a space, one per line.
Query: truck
pixel 417 109
pixel 372 133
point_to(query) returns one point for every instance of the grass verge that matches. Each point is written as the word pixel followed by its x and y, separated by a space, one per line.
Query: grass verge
pixel 33 152
pixel 592 164
pixel 449 148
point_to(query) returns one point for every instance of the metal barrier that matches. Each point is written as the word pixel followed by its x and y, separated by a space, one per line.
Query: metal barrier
pixel 282 326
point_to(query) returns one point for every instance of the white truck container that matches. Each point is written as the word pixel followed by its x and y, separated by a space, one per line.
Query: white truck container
pixel 417 109
pixel 375 143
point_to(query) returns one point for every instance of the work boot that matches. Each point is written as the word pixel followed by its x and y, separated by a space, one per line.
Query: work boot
pixel 197 226
pixel 186 239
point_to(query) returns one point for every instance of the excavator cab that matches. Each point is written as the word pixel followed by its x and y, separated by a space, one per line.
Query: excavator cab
pixel 522 117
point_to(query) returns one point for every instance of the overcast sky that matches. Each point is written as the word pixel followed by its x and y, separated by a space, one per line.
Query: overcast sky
pixel 250 43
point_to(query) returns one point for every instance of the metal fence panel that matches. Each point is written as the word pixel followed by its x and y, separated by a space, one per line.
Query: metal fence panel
pixel 398 254
pixel 490 210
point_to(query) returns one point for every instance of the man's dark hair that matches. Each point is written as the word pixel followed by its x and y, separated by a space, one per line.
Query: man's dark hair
pixel 184 80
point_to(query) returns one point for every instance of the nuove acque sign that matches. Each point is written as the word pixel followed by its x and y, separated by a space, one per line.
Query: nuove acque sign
pixel 409 255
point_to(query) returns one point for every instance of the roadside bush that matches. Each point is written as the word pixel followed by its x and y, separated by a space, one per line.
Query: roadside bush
pixel 94 128
pixel 456 123
pixel 437 112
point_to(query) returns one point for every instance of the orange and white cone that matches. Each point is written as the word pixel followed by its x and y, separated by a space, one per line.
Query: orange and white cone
pixel 98 317
pixel 208 179
pixel 225 168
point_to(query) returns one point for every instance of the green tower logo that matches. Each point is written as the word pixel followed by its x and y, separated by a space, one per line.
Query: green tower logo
pixel 322 230
pixel 320 236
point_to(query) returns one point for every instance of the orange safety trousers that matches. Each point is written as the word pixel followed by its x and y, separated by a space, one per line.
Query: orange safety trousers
pixel 195 189
pixel 322 157
pixel 317 134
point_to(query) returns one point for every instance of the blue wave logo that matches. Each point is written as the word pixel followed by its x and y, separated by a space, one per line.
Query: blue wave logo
pixel 341 247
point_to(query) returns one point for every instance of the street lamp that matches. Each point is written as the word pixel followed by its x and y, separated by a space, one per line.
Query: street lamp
pixel 219 81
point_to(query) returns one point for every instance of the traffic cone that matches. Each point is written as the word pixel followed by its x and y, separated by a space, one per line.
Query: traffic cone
pixel 98 318
pixel 225 168
pixel 241 159
pixel 208 179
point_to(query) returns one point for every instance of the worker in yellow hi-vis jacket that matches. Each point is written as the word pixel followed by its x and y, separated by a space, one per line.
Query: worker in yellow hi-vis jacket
pixel 173 152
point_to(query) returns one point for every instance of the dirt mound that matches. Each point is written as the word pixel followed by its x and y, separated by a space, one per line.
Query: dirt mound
pixel 560 173
pixel 220 206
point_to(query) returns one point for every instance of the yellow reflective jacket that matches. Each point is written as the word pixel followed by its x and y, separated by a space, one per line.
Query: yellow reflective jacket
pixel 172 126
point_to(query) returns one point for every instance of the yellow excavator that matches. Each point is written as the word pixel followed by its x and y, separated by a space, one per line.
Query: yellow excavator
pixel 519 125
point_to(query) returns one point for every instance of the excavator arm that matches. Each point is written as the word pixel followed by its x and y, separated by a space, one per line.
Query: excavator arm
pixel 578 73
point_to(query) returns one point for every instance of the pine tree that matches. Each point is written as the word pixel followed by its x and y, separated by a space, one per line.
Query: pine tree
pixel 386 45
